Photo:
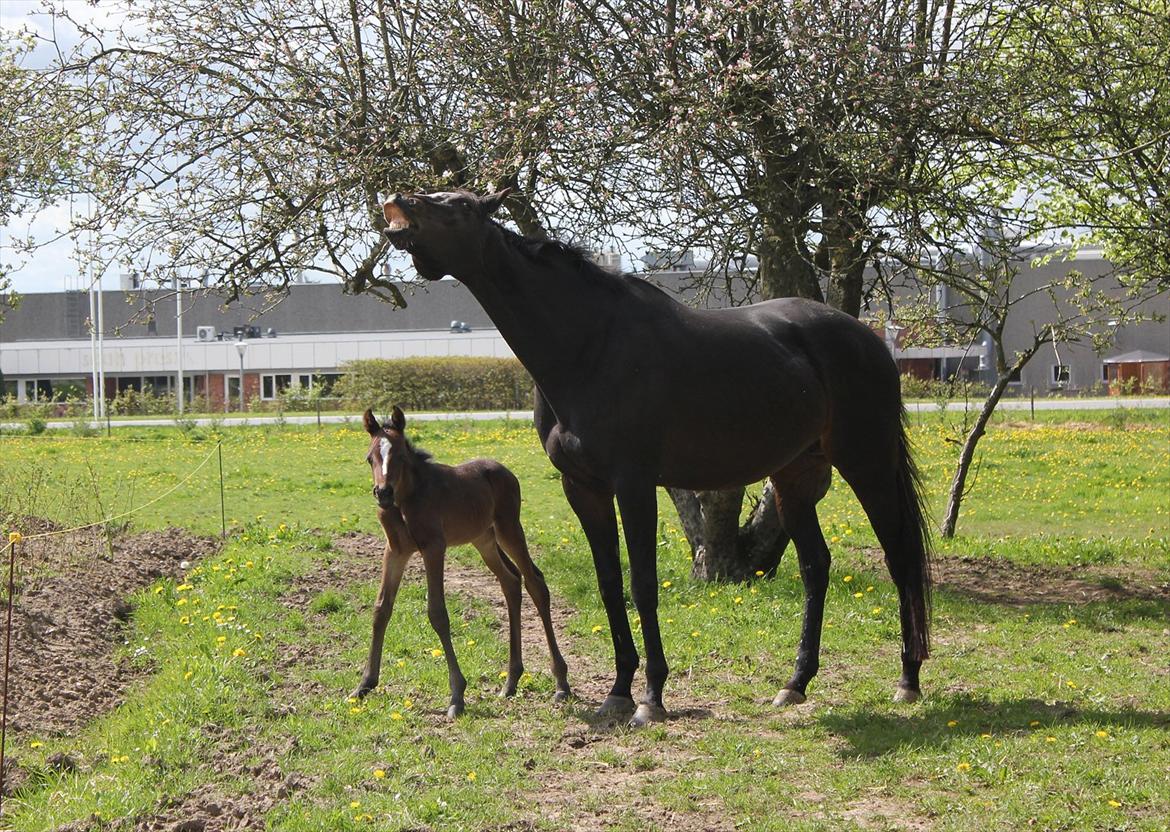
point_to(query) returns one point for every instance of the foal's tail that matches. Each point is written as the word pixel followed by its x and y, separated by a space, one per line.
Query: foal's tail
pixel 909 561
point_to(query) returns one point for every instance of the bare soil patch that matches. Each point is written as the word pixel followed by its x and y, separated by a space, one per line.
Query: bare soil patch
pixel 69 620
pixel 1014 584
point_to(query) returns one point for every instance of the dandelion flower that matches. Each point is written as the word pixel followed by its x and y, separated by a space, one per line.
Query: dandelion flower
pixel 436 652
pixel 35 744
pixel 963 767
pixel 759 573
pixel 1102 734
pixel 471 776
pixel 394 715
pixel 379 774
pixel 239 651
pixel 597 628
pixel 859 595
pixel 952 723
pixel 847 578
pixel 667 584
pixel 1116 804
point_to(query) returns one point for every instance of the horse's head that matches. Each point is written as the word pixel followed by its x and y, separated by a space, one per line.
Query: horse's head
pixel 443 232
pixel 388 453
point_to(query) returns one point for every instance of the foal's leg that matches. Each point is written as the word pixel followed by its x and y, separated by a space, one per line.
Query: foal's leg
pixel 393 565
pixel 510 535
pixel 594 508
pixel 799 486
pixel 441 622
pixel 639 508
pixel 510 584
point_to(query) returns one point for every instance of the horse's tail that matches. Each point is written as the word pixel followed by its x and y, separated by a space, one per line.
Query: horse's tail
pixel 909 561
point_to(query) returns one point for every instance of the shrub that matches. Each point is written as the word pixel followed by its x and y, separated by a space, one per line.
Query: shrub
pixel 455 383
pixel 36 425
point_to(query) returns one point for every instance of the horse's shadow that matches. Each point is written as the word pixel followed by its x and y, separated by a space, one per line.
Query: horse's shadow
pixel 616 723
pixel 870 734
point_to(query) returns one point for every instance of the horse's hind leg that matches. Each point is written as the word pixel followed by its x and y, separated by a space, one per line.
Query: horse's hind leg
pixel 393 565
pixel 799 486
pixel 441 622
pixel 510 535
pixel 510 584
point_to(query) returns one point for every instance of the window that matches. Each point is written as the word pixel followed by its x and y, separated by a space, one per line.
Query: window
pixel 325 382
pixel 273 385
pixel 1060 374
pixel 9 388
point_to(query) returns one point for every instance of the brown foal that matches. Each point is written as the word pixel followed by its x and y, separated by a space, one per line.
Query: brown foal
pixel 425 507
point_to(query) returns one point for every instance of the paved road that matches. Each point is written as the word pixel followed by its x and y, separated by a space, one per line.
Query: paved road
pixel 526 415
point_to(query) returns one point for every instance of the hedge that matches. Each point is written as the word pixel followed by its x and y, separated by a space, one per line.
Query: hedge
pixel 454 383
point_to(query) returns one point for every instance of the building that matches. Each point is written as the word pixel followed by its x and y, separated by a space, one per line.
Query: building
pixel 306 337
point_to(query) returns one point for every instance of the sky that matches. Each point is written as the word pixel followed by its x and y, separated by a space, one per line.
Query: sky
pixel 52 268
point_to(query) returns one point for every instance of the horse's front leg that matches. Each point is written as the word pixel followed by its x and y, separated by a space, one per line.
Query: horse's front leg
pixel 594 508
pixel 433 554
pixel 393 565
pixel 639 508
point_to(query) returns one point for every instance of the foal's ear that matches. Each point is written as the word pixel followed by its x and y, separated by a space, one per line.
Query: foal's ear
pixel 398 419
pixel 371 423
pixel 491 203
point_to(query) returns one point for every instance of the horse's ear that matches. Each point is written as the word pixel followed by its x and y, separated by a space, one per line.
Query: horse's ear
pixel 371 423
pixel 491 203
pixel 398 419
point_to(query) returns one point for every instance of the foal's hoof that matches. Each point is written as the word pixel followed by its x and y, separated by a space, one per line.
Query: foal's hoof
pixel 360 691
pixel 454 710
pixel 616 707
pixel 508 690
pixel 788 696
pixel 562 695
pixel 903 694
pixel 647 712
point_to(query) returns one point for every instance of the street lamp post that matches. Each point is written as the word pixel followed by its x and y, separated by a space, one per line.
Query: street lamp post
pixel 241 348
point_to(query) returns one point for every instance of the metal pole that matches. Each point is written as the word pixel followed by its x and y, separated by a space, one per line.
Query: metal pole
pixel 93 367
pixel 12 541
pixel 179 343
pixel 100 350
pixel 1033 397
pixel 241 382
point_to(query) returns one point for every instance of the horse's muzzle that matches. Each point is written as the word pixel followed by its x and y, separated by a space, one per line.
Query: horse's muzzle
pixel 384 496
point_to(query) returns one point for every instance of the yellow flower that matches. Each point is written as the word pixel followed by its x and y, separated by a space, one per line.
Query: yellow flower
pixel 667 584
pixel 471 776
pixel 395 715
pixel 963 767
pixel 847 578
pixel 952 723
pixel 1034 723
pixel 1050 739
pixel 695 634
pixel 1115 804
pixel 869 589
pixel 187 676
pixel 407 703
pixel 436 652
pixel 183 587
pixel 181 602
pixel 355 804
pixel 597 628
pixel 759 573
pixel 379 774
pixel 35 744
pixel 401 662
pixel 1102 734
pixel 876 610
pixel 859 595
pixel 239 651
pixel 738 599
pixel 220 639
pixel 186 619
pixel 471 642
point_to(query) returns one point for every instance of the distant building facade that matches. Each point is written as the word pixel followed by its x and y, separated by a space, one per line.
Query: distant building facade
pixel 307 337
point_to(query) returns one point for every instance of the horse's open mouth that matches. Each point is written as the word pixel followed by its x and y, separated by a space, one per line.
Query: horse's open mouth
pixel 398 224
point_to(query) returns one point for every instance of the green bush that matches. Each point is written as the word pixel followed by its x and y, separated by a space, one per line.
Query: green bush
pixel 455 383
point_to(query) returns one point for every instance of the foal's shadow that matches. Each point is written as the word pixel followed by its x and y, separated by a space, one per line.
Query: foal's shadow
pixel 872 735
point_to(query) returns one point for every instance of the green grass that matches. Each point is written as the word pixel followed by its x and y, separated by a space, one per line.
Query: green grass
pixel 1050 715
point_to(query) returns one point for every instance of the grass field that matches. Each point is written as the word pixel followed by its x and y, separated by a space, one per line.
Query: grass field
pixel 1047 699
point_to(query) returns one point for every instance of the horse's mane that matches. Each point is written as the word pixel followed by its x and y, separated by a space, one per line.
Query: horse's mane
pixel 545 250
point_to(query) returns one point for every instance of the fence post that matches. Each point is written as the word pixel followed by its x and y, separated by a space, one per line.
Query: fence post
pixel 222 504
pixel 318 413
pixel 1032 391
pixel 13 539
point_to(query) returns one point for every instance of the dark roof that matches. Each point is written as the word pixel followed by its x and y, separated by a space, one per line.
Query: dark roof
pixel 307 308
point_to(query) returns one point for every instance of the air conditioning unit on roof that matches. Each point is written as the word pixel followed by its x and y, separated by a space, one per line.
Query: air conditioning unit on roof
pixel 205 333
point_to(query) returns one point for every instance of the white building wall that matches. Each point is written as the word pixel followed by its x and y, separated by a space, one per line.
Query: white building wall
pixel 305 353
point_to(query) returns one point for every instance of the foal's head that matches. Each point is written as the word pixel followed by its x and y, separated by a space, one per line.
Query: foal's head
pixel 443 232
pixel 389 454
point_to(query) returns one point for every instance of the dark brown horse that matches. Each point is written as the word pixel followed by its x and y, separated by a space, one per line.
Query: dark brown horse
pixel 425 507
pixel 636 390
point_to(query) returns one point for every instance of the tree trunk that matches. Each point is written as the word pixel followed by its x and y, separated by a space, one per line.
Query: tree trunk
pixel 723 550
pixel 958 484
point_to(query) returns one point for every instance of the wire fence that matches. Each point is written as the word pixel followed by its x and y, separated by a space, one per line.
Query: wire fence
pixel 16 539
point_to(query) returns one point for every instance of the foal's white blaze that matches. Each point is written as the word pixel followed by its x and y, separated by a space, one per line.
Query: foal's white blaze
pixel 384 449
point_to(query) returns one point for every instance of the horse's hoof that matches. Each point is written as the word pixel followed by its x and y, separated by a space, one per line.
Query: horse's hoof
pixel 455 710
pixel 361 690
pixel 907 694
pixel 788 696
pixel 508 690
pixel 616 707
pixel 562 695
pixel 647 712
